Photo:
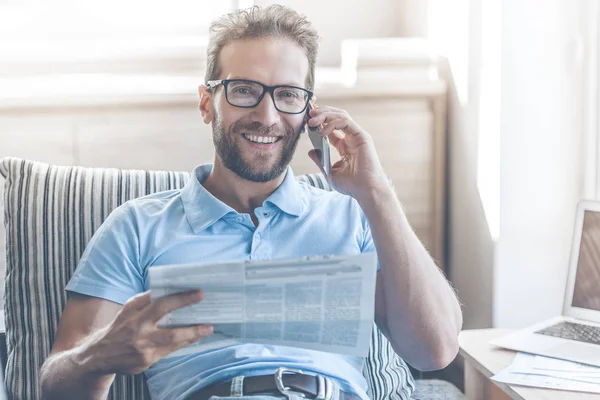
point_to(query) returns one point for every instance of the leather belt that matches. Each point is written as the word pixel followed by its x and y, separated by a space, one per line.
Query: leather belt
pixel 284 382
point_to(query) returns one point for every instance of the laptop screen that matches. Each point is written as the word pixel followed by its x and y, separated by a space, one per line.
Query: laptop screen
pixel 587 278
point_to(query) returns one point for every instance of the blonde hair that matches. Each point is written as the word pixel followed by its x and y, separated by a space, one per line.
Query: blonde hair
pixel 262 22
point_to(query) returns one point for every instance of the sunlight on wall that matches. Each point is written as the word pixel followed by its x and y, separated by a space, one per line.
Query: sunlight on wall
pixel 468 33
pixel 591 108
pixel 448 33
pixel 69 31
pixel 108 18
pixel 488 155
pixel 72 48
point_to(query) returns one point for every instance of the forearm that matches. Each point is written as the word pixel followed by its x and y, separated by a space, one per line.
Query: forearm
pixel 420 312
pixel 71 374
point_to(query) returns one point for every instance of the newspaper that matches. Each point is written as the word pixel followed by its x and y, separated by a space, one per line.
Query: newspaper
pixel 321 303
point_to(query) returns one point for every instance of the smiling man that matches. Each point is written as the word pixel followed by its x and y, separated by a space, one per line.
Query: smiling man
pixel 248 205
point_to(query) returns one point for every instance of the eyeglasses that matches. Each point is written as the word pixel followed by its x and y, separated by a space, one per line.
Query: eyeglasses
pixel 245 93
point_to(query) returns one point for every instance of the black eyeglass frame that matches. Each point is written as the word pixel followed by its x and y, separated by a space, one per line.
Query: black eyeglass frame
pixel 266 89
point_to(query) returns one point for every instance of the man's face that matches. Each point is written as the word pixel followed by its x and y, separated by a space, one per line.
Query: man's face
pixel 239 134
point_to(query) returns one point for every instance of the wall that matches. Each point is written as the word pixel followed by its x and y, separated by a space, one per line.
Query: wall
pixel 508 253
pixel 470 247
pixel 541 174
pixel 455 30
pixel 351 19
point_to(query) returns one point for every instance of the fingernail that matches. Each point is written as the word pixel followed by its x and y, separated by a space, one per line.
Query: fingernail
pixel 198 294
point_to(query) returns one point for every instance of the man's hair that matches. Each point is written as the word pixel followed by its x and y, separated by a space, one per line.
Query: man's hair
pixel 274 21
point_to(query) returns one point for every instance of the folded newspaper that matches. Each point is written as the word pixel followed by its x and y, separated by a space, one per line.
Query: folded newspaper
pixel 324 303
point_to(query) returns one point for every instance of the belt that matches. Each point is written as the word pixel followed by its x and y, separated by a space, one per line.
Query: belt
pixel 285 381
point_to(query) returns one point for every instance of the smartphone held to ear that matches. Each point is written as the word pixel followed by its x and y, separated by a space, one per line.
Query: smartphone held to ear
pixel 320 143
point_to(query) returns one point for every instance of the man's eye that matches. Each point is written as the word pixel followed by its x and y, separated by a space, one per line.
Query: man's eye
pixel 241 90
pixel 289 94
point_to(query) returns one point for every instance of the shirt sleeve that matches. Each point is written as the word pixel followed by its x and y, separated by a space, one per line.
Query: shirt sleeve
pixel 109 267
pixel 368 245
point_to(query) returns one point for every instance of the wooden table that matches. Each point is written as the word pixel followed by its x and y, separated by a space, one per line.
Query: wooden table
pixel 482 360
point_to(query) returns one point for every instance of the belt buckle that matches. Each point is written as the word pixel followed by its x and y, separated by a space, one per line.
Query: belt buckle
pixel 324 389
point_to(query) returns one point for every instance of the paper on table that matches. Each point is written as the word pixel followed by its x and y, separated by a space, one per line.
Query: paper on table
pixel 522 372
pixel 555 364
pixel 536 364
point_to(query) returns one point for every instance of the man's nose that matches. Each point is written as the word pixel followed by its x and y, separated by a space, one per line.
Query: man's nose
pixel 265 111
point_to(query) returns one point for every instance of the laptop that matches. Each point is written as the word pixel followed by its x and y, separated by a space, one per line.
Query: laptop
pixel 575 335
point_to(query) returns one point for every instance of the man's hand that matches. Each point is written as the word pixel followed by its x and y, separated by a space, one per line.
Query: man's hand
pixel 358 173
pixel 133 341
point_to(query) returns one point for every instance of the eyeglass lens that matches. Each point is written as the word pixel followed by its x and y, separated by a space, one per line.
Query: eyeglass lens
pixel 247 94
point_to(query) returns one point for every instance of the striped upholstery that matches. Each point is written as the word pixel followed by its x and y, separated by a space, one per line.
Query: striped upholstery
pixel 51 212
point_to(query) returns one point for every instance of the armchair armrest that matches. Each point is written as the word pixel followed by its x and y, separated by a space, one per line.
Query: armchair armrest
pixel 3 352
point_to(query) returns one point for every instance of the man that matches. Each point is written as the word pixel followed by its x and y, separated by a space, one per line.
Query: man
pixel 248 205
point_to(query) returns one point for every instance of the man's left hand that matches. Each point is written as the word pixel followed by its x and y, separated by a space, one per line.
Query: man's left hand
pixel 358 173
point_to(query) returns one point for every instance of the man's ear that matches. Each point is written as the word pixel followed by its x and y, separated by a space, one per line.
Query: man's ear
pixel 205 104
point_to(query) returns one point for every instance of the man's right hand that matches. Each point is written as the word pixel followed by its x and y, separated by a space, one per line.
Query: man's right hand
pixel 132 342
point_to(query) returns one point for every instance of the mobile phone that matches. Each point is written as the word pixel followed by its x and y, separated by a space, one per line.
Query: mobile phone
pixel 320 143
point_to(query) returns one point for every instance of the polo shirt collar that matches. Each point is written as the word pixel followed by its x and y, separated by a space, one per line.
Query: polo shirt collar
pixel 288 197
pixel 202 209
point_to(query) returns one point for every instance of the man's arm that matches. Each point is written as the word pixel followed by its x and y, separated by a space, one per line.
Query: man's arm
pixel 67 372
pixel 415 306
pixel 97 338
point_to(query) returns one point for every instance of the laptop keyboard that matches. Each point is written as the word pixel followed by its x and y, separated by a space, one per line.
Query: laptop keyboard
pixel 573 331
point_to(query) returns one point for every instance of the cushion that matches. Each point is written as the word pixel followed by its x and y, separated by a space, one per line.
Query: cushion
pixel 51 212
pixel 437 389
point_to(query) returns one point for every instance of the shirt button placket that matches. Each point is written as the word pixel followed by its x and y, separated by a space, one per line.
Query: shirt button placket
pixel 254 253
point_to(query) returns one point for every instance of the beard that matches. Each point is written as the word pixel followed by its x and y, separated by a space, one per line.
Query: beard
pixel 232 158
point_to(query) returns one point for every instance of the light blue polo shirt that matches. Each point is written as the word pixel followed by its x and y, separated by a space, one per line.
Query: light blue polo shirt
pixel 191 225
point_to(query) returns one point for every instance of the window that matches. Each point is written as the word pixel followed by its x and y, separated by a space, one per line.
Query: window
pixel 57 36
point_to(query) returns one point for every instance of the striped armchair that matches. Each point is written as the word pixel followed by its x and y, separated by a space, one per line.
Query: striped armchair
pixel 51 212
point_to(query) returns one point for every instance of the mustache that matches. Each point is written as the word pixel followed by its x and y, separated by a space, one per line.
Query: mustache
pixel 257 127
